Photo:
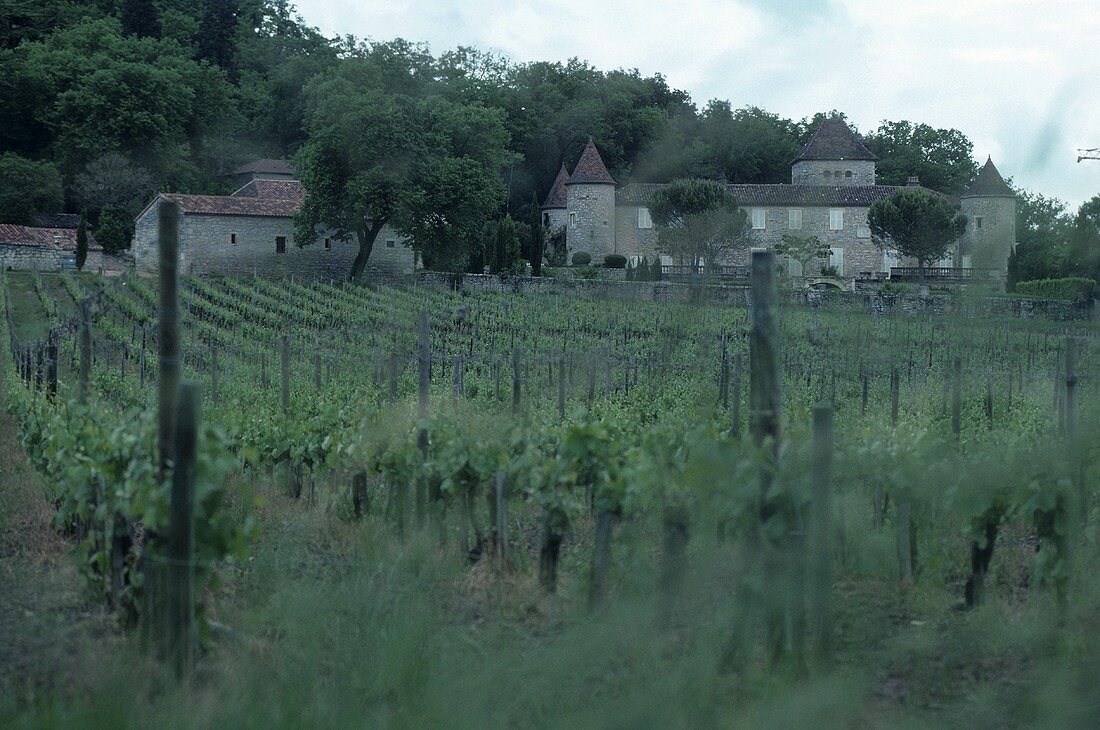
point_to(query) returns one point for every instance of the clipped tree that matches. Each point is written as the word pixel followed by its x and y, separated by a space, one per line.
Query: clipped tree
pixel 82 242
pixel 698 220
pixel 802 249
pixel 916 223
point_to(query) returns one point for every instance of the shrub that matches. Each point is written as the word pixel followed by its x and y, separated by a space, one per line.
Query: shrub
pixel 614 261
pixel 582 258
pixel 1067 288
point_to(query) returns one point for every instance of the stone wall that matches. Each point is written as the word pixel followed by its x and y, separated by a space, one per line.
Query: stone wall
pixel 812 172
pixel 630 240
pixel 663 291
pixel 594 231
pixel 860 253
pixel 29 258
pixel 207 247
pixel 989 246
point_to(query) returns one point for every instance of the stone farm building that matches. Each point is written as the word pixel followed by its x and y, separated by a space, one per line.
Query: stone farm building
pixel 252 232
pixel 832 187
pixel 50 245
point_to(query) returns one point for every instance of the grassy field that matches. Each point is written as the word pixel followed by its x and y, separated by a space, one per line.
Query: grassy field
pixel 629 415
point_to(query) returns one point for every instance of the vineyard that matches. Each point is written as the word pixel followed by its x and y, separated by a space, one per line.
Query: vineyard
pixel 415 504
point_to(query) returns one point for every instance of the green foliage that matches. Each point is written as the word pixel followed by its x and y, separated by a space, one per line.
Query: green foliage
pixel 115 229
pixel 699 220
pixel 916 223
pixel 501 242
pixel 1068 288
pixel 26 188
pixel 582 258
pixel 614 261
pixel 802 249
pixel 941 158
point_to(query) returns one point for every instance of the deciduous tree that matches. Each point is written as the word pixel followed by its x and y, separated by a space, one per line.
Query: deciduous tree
pixel 698 221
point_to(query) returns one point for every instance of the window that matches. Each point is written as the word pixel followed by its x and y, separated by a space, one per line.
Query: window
pixel 794 219
pixel 978 222
pixel 391 243
pixel 836 220
pixel 280 244
pixel 836 174
pixel 232 237
pixel 573 219
pixel 836 260
pixel 826 174
pixel 890 259
pixel 758 219
pixel 644 221
pixel 545 220
pixel 848 173
pixel 328 244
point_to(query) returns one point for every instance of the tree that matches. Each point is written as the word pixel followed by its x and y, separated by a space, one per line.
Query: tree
pixel 941 158
pixel 82 241
pixel 114 229
pixel 113 179
pixel 140 18
pixel 802 249
pixel 916 223
pixel 502 246
pixel 698 220
pixel 217 41
pixel 27 187
pixel 538 238
pixel 380 154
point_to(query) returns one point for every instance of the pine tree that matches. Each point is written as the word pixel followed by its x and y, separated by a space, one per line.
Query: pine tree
pixel 538 237
pixel 82 241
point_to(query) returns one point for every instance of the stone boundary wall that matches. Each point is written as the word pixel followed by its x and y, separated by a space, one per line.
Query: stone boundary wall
pixel 664 291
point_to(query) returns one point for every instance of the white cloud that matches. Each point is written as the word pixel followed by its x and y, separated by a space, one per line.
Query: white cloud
pixel 1016 76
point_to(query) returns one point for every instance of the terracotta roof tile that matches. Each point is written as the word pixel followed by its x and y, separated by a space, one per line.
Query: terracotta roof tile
pixel 63 239
pixel 557 198
pixel 234 205
pixel 278 189
pixel 590 169
pixel 778 195
pixel 834 140
pixel 988 183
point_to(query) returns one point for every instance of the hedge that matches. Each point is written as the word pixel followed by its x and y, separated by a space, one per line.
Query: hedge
pixel 1069 288
pixel 582 258
pixel 614 261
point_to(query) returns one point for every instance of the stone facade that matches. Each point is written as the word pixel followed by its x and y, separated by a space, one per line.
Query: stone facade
pixel 252 233
pixel 990 231
pixel 635 236
pixel 829 172
pixel 590 218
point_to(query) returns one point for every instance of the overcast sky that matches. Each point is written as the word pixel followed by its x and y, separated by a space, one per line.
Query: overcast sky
pixel 1019 77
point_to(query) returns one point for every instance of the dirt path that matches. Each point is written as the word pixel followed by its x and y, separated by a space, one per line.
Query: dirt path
pixel 43 614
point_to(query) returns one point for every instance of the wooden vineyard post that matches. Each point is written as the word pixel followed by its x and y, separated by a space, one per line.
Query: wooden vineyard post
pixel 517 359
pixel 425 359
pixel 51 368
pixel 214 368
pixel 360 499
pixel 764 369
pixel 85 366
pixel 180 564
pixel 863 398
pixel 724 377
pixel 956 398
pixel 284 373
pixel 561 387
pixel 501 520
pixel 1071 389
pixel 735 408
pixel 989 399
pixel 821 532
pixel 895 395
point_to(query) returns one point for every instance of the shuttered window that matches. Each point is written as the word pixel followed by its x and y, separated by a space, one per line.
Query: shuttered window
pixel 280 244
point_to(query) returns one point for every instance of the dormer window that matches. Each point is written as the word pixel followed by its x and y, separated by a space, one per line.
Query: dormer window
pixel 826 174
pixel 848 173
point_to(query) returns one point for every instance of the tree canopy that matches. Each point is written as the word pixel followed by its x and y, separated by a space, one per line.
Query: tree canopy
pixel 916 223
pixel 698 221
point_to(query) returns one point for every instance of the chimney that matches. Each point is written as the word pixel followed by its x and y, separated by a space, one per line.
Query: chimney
pixel 912 182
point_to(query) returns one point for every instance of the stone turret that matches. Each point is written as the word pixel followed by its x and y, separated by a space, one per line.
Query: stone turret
pixel 556 204
pixel 590 206
pixel 835 155
pixel 990 206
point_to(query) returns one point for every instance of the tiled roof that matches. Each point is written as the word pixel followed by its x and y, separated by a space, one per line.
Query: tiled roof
pixel 267 166
pixel 780 195
pixel 988 183
pixel 556 198
pixel 63 239
pixel 234 205
pixel 280 189
pixel 834 140
pixel 57 220
pixel 590 169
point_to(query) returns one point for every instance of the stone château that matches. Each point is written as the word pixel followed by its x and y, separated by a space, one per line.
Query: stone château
pixel 832 187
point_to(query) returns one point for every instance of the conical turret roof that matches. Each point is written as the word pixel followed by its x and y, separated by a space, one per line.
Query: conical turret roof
pixel 835 140
pixel 590 169
pixel 556 198
pixel 989 183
